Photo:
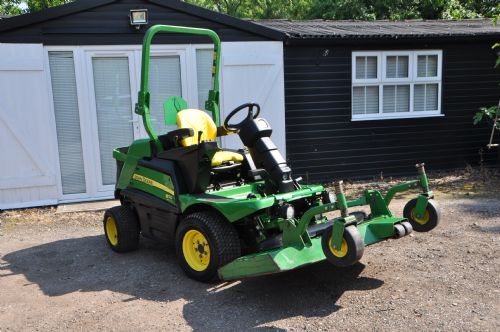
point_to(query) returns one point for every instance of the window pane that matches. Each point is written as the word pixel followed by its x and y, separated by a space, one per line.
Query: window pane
pixel 402 98
pixel 391 64
pixel 427 65
pixel 114 110
pixel 371 67
pixel 358 100
pixel 397 67
pixel 360 67
pixel 366 67
pixel 421 65
pixel 431 97
pixel 69 139
pixel 204 59
pixel 389 95
pixel 419 98
pixel 365 100
pixel 164 82
pixel 432 65
pixel 396 98
pixel 426 97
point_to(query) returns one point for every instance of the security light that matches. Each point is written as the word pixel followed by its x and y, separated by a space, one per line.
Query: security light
pixel 138 17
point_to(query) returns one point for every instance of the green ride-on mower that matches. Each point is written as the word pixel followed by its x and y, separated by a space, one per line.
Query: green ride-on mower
pixel 236 214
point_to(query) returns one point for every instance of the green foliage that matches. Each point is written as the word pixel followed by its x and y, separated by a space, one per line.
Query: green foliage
pixel 354 9
pixel 258 9
pixel 10 7
pixel 37 5
pixel 489 113
pixel 17 7
pixel 315 9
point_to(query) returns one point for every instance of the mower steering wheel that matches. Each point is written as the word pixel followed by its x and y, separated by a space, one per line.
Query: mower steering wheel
pixel 250 115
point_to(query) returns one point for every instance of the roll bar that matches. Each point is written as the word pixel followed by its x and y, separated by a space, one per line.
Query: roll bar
pixel 142 106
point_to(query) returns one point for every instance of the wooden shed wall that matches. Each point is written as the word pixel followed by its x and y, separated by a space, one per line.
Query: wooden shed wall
pixel 323 143
pixel 109 25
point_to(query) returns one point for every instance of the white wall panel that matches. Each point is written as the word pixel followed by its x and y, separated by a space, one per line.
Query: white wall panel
pixel 27 166
pixel 21 56
pixel 253 72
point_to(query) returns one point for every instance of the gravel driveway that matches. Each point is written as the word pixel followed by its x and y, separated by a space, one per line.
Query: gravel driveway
pixel 56 273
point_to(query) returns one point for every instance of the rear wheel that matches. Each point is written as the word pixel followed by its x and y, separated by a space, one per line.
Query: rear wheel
pixel 121 228
pixel 424 223
pixel 204 242
pixel 351 250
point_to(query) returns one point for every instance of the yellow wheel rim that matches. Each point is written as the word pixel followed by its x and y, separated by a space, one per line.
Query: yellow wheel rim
pixel 111 231
pixel 421 221
pixel 196 250
pixel 338 253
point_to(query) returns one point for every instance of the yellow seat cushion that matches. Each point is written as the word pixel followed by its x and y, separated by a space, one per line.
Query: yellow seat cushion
pixel 221 157
pixel 200 121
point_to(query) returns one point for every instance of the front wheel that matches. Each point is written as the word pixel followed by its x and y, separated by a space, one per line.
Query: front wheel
pixel 425 223
pixel 204 242
pixel 351 250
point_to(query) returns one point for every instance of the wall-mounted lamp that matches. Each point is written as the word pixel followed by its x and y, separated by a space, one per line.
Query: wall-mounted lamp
pixel 138 17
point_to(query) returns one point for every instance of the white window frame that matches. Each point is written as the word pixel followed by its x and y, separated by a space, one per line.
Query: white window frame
pixel 411 80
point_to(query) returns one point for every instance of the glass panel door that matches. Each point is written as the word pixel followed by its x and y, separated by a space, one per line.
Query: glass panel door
pixel 113 111
pixel 66 109
pixel 164 82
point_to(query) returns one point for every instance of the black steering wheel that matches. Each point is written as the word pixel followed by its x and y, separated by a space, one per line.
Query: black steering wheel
pixel 250 115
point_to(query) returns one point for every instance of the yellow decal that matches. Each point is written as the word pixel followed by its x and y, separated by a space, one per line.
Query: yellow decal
pixel 152 183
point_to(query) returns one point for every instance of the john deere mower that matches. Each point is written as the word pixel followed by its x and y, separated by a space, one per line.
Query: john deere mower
pixel 235 214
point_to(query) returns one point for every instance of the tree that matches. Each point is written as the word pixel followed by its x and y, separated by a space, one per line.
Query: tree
pixel 354 9
pixel 17 7
pixel 10 7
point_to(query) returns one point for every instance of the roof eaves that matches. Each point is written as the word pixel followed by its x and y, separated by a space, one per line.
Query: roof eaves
pixel 208 14
pixel 51 13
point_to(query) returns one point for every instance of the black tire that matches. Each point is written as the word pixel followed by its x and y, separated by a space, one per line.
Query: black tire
pixel 431 217
pixel 352 247
pixel 125 235
pixel 223 244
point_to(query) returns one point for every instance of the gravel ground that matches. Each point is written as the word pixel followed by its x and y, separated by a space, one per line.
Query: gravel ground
pixel 56 273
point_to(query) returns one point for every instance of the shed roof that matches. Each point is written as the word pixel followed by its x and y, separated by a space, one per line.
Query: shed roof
pixel 181 6
pixel 328 29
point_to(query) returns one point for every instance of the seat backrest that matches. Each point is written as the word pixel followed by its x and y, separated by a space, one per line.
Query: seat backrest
pixel 201 122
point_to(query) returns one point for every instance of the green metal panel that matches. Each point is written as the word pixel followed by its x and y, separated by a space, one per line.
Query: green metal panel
pixel 171 107
pixel 234 204
pixel 138 149
pixel 378 229
pixel 273 261
pixel 154 183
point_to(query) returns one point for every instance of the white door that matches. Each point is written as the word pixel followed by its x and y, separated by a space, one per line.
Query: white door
pixel 112 85
pixel 113 80
pixel 253 72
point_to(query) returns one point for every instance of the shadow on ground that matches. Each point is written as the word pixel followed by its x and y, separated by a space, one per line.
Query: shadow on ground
pixel 87 265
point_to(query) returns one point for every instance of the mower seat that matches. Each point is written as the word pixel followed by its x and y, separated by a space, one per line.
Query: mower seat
pixel 204 130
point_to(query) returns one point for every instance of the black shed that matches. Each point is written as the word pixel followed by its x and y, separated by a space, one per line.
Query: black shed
pixel 368 97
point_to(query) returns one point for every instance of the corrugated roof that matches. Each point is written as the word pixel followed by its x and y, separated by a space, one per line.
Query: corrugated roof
pixel 316 29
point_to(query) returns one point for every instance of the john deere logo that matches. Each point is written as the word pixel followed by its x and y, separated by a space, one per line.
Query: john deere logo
pixel 153 183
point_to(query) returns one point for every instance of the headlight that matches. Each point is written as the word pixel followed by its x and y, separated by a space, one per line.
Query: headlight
pixel 287 211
